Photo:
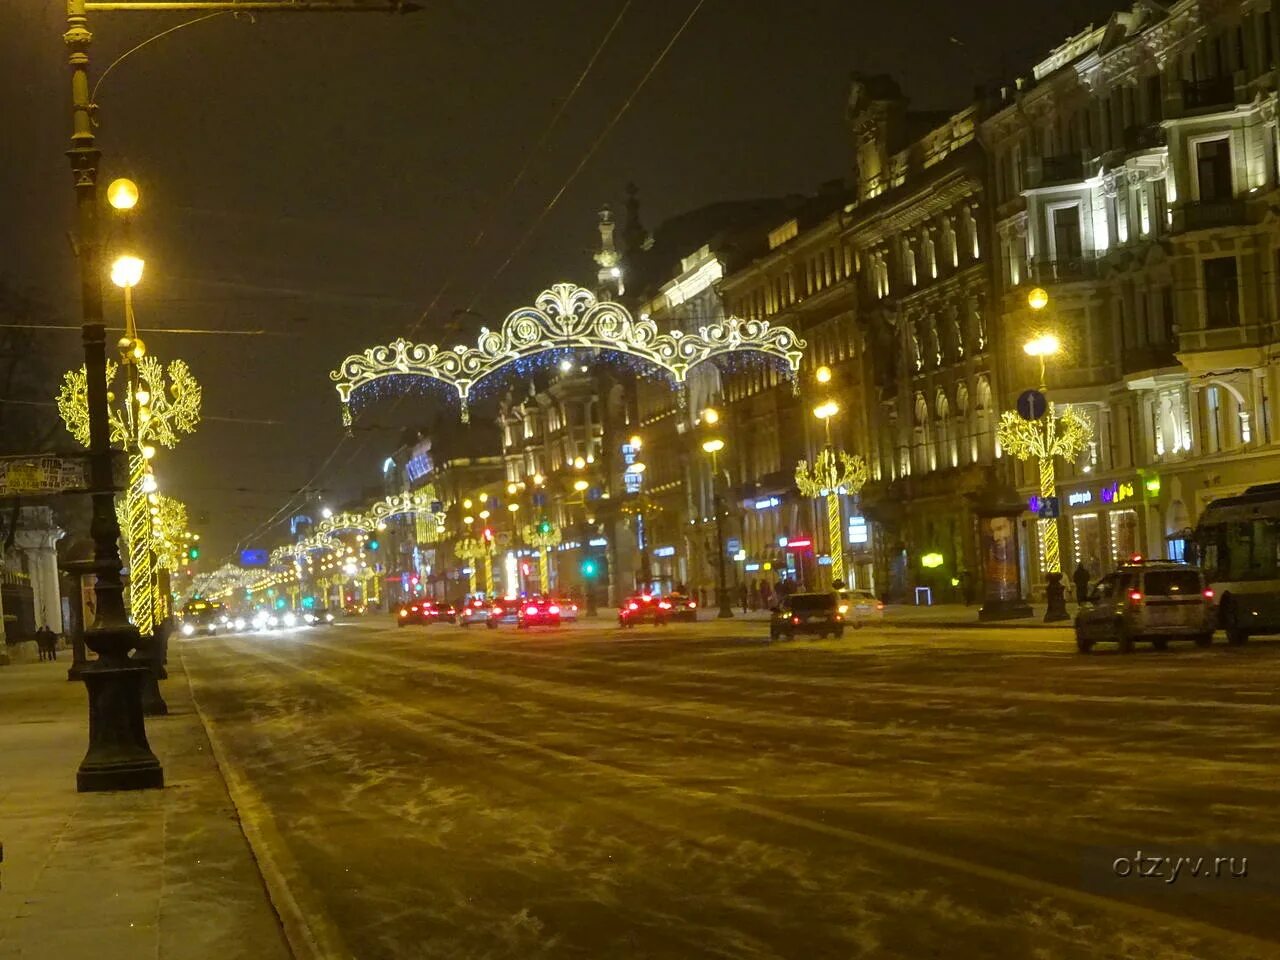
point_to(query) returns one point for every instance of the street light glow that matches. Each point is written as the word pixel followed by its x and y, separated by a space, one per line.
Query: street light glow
pixel 635 443
pixel 1045 345
pixel 580 485
pixel 823 374
pixel 713 446
pixel 1038 298
pixel 711 415
pixel 127 271
pixel 123 194
pixel 513 507
pixel 579 463
pixel 825 411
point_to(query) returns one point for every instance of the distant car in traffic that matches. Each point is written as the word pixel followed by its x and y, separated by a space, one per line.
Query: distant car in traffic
pixel 537 612
pixel 683 607
pixel 859 607
pixel 1155 601
pixel 425 612
pixel 817 614
pixel 506 610
pixel 474 610
pixel 568 608
pixel 644 608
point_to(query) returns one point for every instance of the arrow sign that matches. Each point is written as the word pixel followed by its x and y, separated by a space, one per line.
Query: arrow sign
pixel 1032 405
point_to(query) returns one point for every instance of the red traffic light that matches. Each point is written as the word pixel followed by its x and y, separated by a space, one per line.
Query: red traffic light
pixel 487 533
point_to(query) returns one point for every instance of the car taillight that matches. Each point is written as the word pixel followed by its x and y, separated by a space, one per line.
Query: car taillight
pixel 1135 596
pixel 1208 593
pixel 632 606
pixel 497 610
pixel 693 604
pixel 663 605
pixel 574 607
pixel 795 619
pixel 530 609
pixel 879 605
pixel 844 608
pixel 838 617
pixel 553 609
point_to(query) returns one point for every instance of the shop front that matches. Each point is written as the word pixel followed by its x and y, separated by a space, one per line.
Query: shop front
pixel 1106 522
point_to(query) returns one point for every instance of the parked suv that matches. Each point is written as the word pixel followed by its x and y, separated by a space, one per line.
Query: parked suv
pixel 1154 601
pixel 815 613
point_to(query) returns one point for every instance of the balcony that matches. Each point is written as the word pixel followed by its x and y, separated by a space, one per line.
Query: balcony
pixel 1213 93
pixel 1208 214
pixel 1047 171
pixel 1144 136
pixel 1071 270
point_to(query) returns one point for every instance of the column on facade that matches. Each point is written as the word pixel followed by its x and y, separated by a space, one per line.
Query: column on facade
pixel 40 547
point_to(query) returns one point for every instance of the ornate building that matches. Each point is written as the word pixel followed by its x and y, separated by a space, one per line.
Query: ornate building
pixel 1135 180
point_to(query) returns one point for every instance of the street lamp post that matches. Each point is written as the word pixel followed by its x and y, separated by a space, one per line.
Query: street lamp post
pixel 119 757
pixel 713 446
pixel 1042 434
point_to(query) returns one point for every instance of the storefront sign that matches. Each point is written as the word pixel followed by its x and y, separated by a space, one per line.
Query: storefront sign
pixel 931 560
pixel 824 560
pixel 858 532
pixel 751 567
pixel 1117 492
pixel 768 503
pixel 664 551
pixel 1079 498
pixel 598 542
pixel 802 543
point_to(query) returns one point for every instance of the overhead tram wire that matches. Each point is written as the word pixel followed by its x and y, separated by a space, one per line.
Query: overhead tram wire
pixel 653 67
pixel 499 202
pixel 591 151
pixel 481 232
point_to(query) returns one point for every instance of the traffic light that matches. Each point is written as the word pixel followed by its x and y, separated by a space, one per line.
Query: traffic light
pixel 590 568
pixel 373 544
pixel 193 553
pixel 487 534
pixel 544 527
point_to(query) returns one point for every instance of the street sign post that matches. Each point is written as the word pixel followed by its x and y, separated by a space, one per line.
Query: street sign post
pixel 1032 405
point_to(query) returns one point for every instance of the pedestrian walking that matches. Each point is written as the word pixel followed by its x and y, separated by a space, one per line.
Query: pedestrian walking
pixel 46 643
pixel 1081 579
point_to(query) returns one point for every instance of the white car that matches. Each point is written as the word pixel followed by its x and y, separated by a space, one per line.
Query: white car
pixel 474 610
pixel 568 609
pixel 859 607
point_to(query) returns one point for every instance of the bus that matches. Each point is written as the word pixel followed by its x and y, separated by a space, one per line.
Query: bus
pixel 1238 541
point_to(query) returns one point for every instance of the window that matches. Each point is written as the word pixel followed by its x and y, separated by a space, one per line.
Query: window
pixel 1213 170
pixel 1212 420
pixel 1066 233
pixel 1221 293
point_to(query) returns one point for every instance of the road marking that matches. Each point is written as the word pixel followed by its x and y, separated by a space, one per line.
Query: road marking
pixel 399 712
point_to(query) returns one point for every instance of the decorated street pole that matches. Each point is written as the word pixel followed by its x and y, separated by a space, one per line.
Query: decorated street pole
pixel 473 551
pixel 832 474
pixel 544 535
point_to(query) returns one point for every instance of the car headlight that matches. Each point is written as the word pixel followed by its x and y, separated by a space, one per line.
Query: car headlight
pixel 188 630
pixel 239 623
pixel 290 620
pixel 328 618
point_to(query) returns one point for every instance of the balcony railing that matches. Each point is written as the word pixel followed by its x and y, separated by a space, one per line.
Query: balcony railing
pixel 1206 214
pixel 1203 94
pixel 1062 271
pixel 1062 168
pixel 1145 136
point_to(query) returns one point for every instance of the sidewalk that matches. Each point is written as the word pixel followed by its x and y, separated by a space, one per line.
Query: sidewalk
pixel 163 874
pixel 946 615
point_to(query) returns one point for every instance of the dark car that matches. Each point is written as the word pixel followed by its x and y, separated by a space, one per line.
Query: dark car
pixel 538 612
pixel 683 607
pixel 817 614
pixel 644 608
pixel 414 612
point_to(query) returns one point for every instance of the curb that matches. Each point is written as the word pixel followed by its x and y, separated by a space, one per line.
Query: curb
pixel 256 824
pixel 1025 624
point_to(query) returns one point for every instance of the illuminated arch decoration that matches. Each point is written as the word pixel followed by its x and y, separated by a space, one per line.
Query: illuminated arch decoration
pixel 375 518
pixel 564 317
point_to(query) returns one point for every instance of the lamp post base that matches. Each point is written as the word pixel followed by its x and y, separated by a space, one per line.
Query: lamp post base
pixel 1056 599
pixel 726 612
pixel 119 757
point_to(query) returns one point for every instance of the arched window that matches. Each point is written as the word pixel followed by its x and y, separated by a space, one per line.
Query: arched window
pixel 984 423
pixel 945 430
pixel 967 448
pixel 925 457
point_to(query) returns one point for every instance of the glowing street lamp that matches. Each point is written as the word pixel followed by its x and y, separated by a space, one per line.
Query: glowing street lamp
pixel 823 374
pixel 122 194
pixel 126 272
pixel 824 412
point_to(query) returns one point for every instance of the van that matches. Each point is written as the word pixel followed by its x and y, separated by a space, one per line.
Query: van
pixel 1154 601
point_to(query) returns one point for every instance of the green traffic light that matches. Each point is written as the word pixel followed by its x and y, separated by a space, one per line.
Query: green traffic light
pixel 194 553
pixel 588 568
pixel 373 544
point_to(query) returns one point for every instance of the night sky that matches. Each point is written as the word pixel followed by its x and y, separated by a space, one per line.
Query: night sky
pixel 323 177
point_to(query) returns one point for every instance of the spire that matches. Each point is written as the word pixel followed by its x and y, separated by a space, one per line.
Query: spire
pixel 634 236
pixel 609 276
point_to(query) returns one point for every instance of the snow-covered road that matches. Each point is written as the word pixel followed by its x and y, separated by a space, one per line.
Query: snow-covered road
pixel 697 792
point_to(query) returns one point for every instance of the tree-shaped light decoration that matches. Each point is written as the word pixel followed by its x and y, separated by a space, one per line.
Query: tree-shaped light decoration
pixel 157 407
pixel 544 535
pixel 1053 435
pixel 473 550
pixel 832 473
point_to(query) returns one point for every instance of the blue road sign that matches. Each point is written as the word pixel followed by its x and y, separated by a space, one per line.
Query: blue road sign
pixel 1032 405
pixel 1049 508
